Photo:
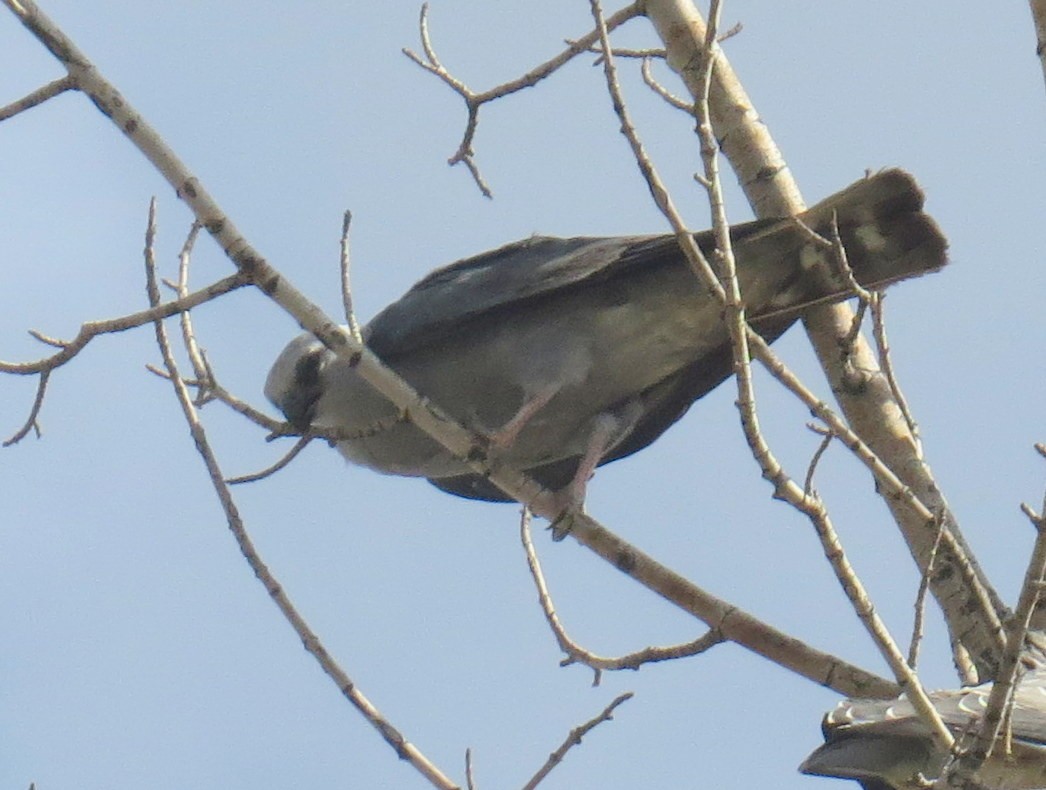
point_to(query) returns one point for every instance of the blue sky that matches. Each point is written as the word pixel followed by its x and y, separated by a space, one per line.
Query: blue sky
pixel 138 648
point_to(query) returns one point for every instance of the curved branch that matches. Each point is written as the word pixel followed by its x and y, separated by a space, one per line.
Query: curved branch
pixel 91 329
pixel 474 100
pixel 577 654
pixel 467 445
pixel 34 412
pixel 404 748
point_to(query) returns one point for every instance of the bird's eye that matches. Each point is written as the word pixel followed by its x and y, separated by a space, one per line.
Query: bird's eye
pixel 307 370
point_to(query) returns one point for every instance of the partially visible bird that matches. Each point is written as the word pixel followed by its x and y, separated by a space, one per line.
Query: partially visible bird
pixel 571 353
pixel 885 745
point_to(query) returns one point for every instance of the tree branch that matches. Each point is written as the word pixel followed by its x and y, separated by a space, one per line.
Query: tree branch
pixel 574 739
pixel 1038 14
pixel 474 100
pixel 820 667
pixel 972 608
pixel 725 287
pixel 39 96
pixel 404 748
pixel 577 654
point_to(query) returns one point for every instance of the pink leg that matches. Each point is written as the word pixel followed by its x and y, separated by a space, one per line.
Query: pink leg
pixel 504 436
pixel 604 434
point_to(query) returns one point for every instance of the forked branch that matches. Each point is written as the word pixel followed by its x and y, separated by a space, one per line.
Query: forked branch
pixel 474 100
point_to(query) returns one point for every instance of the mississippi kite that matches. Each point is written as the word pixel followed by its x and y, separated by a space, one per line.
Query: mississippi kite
pixel 571 353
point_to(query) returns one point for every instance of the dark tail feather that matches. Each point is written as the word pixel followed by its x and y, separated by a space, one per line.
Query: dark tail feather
pixel 886 235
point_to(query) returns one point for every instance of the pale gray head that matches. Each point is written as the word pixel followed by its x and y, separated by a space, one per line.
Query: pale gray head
pixel 294 384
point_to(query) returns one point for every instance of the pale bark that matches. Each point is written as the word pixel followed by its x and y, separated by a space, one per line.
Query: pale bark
pixel 971 607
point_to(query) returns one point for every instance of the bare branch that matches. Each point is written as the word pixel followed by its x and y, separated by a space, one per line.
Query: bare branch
pixel 289 456
pixel 217 392
pixel 31 421
pixel 971 605
pixel 403 748
pixel 920 603
pixel 346 281
pixel 196 357
pixel 1001 695
pixel 882 345
pixel 636 54
pixel 574 739
pixel 577 654
pixel 1038 13
pixel 467 445
pixel 474 100
pixel 741 335
pixel 826 440
pixel 843 271
pixel 91 329
pixel 662 91
pixel 39 96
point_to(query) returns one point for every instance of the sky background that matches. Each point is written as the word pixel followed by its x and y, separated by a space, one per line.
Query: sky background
pixel 137 648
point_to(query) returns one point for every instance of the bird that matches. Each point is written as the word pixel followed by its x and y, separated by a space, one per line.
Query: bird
pixel 885 745
pixel 570 353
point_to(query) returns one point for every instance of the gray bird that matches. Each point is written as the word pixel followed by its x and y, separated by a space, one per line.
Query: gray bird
pixel 571 353
pixel 884 745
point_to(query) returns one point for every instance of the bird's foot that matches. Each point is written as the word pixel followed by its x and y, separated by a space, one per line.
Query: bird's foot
pixel 569 503
pixel 504 437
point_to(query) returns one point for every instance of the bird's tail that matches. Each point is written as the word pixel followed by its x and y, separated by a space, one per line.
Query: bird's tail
pixel 884 231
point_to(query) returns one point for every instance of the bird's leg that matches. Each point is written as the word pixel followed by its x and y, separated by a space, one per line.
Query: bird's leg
pixel 504 436
pixel 607 431
pixel 604 435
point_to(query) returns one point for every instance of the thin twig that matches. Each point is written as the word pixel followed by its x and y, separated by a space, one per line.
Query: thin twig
pixel 289 456
pixel 577 654
pixel 91 329
pixel 470 781
pixel 970 761
pixel 826 441
pixel 474 100
pixel 403 748
pixel 662 91
pixel 726 288
pixel 834 245
pixel 196 357
pixel 278 428
pixel 574 739
pixel 882 346
pixel 216 391
pixel 735 624
pixel 920 601
pixel 346 281
pixel 31 422
pixel 39 96
pixel 849 341
pixel 620 52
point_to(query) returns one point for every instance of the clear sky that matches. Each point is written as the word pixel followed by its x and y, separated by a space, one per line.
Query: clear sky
pixel 138 649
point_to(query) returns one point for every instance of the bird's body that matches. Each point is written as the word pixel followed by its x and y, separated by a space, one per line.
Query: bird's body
pixel 580 351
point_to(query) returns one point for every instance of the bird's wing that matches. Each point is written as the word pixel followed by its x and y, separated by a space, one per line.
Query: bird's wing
pixel 502 279
pixel 879 218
